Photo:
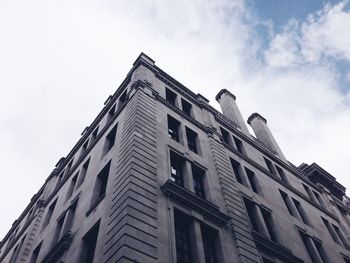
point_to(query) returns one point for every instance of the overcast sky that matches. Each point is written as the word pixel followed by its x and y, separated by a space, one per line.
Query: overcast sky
pixel 59 61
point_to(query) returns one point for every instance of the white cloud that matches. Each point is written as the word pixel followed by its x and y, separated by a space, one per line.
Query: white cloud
pixel 60 61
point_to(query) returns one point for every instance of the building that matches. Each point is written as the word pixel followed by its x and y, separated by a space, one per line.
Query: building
pixel 161 176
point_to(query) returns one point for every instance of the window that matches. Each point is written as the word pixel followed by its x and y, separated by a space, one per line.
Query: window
pixel 83 172
pixel 88 247
pixel 314 248
pixel 14 253
pixel 69 218
pixel 208 238
pixel 100 185
pixel 288 203
pixel 319 198
pixel 186 107
pixel 250 207
pixel 336 234
pixel 331 231
pixel 308 191
pixel 69 166
pixel 239 145
pixel 49 214
pixel 58 230
pixel 269 224
pixel 35 254
pixel 341 236
pixel 84 147
pixel 261 220
pixel 270 166
pixel 111 113
pixel 72 186
pixel 282 174
pixel 173 128
pixel 252 180
pixel 182 238
pixel 110 139
pixel 59 178
pixel 237 171
pixel 225 136
pixel 94 134
pixel 170 96
pixel 301 212
pixel 176 169
pixel 198 176
pixel 192 140
pixel 123 98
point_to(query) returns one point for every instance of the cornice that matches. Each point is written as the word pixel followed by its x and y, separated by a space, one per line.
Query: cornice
pixel 189 199
pixel 275 249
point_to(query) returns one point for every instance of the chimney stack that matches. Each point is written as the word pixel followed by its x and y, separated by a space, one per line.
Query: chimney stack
pixel 230 109
pixel 263 134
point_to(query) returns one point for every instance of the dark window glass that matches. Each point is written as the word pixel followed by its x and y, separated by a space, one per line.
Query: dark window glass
pixel 252 179
pixel 59 178
pixel 72 186
pixel 69 166
pixel 35 254
pixel 173 128
pixel 330 230
pixel 209 237
pixel 111 113
pixel 321 251
pixel 285 199
pixel 182 237
pixel 170 96
pixel 87 253
pixel 225 136
pixel 237 171
pixel 198 176
pixel 101 184
pixel 239 145
pixel 269 224
pixel 94 134
pixel 186 107
pixel 123 98
pixel 58 230
pixel 110 139
pixel 266 260
pixel 250 210
pixel 282 174
pixel 176 167
pixel 49 213
pixel 84 147
pixel 270 166
pixel 191 140
pixel 83 172
pixel 319 198
pixel 301 212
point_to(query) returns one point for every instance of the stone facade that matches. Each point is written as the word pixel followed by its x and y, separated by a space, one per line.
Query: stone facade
pixel 161 176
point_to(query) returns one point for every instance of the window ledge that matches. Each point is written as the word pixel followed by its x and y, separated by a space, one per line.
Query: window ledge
pixel 189 199
pixel 95 204
pixel 275 249
pixel 57 251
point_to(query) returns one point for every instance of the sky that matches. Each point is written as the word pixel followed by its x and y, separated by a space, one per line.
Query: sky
pixel 60 60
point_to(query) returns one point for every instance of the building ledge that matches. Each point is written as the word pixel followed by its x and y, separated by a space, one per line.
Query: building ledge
pixel 189 199
pixel 57 251
pixel 272 248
